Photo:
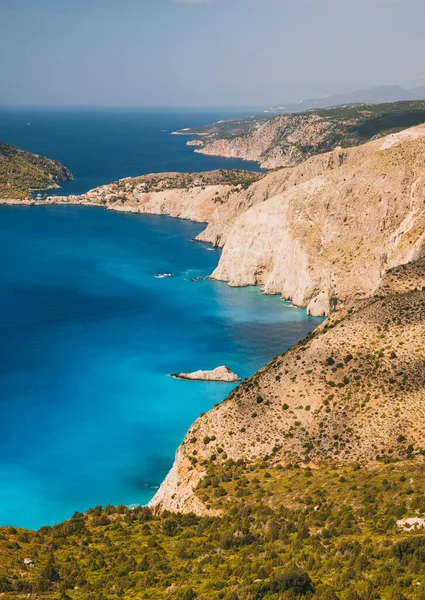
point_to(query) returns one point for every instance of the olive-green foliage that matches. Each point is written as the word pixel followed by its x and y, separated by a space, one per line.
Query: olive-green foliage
pixel 326 534
pixel 21 171
pixel 164 181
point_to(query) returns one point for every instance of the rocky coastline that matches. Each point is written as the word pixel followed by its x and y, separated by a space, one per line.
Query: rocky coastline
pixel 334 235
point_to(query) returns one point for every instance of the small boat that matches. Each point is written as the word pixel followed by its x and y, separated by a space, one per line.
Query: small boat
pixel 163 275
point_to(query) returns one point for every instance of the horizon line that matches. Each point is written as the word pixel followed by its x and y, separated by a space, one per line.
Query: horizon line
pixel 125 107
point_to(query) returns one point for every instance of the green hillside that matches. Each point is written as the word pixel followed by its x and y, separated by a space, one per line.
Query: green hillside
pixel 284 533
pixel 21 171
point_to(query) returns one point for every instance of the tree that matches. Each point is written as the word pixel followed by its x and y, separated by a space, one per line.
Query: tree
pixel 293 580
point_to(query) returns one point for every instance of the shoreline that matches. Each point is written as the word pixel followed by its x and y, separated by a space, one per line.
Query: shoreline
pixel 46 203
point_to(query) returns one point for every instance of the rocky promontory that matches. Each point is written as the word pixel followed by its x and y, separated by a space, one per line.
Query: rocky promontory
pixel 223 374
pixel 288 140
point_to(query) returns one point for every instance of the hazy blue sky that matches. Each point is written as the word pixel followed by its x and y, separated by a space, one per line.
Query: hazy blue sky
pixel 194 52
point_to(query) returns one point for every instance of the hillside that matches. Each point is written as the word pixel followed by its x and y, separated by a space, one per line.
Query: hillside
pixel 288 140
pixel 352 391
pixel 22 171
pixel 282 533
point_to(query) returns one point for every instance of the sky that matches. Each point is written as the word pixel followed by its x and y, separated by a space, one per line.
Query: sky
pixel 252 53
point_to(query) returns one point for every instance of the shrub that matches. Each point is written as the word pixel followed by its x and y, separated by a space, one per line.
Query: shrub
pixel 291 580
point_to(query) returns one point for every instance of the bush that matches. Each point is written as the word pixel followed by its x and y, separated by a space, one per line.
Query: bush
pixel 293 580
pixel 5 585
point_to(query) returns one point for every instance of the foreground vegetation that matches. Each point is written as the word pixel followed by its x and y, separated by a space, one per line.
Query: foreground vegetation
pixel 21 171
pixel 284 532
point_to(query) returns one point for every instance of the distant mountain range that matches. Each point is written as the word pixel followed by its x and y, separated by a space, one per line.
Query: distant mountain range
pixel 375 95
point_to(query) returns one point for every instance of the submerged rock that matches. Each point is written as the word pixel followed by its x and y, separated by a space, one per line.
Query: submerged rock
pixel 219 374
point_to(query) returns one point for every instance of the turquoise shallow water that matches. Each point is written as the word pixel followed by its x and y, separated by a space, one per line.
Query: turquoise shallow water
pixel 88 337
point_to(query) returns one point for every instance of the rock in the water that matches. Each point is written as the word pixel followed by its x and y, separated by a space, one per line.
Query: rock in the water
pixel 218 374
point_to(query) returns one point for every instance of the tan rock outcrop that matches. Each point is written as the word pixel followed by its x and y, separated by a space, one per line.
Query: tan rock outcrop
pixel 223 374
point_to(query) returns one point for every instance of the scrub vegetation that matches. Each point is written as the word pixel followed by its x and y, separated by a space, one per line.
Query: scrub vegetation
pixel 284 532
pixel 22 171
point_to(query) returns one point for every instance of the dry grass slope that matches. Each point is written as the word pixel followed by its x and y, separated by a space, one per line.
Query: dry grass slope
pixel 354 391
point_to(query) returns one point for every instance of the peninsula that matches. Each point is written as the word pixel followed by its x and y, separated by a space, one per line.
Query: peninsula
pixel 288 140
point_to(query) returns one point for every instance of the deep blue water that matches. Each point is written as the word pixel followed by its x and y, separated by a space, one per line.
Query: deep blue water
pixel 101 146
pixel 88 335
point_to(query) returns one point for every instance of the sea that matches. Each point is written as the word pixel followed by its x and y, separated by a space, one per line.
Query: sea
pixel 89 334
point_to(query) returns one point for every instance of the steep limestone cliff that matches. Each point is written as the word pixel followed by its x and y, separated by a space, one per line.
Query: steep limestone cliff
pixel 329 240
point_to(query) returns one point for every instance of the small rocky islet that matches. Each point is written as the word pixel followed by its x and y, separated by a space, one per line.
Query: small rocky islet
pixel 223 374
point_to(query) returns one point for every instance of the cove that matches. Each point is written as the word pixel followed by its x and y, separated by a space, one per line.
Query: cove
pixel 88 414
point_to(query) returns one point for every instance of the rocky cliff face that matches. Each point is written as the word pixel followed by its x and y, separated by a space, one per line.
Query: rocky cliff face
pixel 288 140
pixel 352 391
pixel 279 142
